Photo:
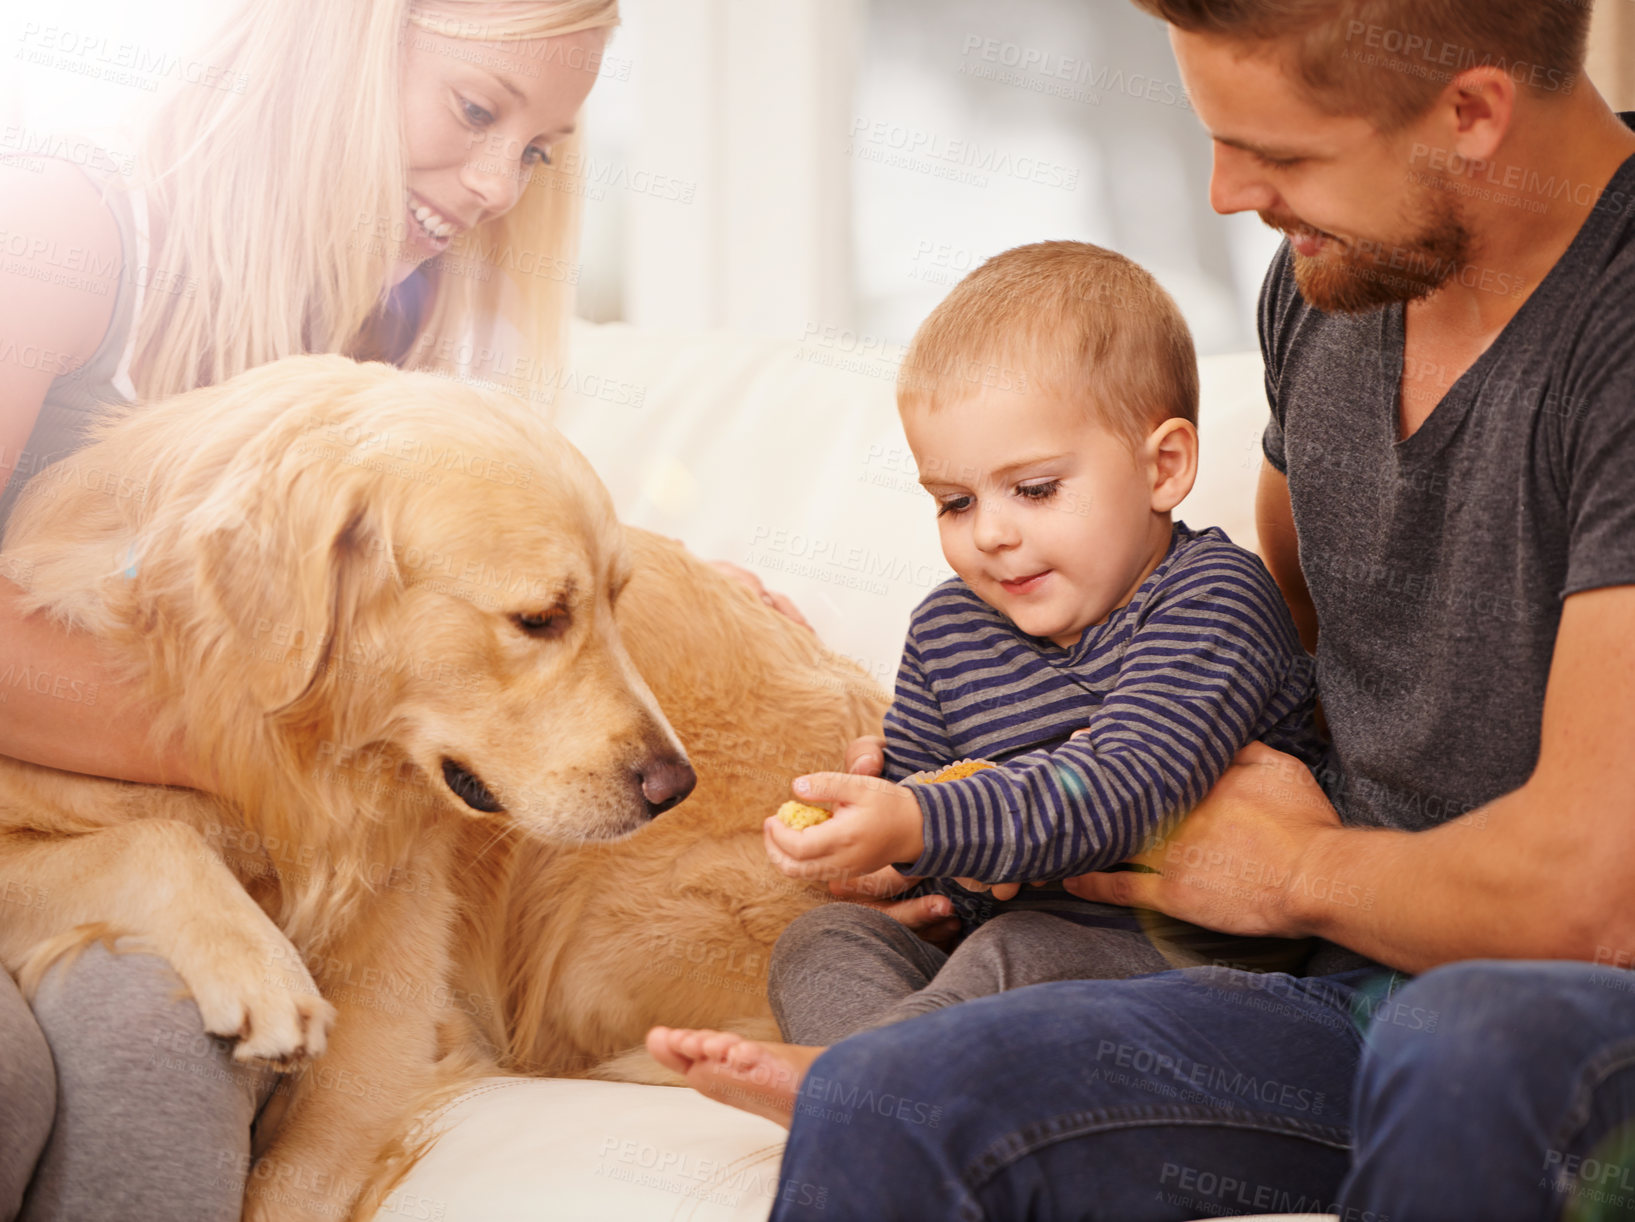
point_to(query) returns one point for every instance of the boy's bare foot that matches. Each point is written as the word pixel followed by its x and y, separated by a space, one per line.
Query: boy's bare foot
pixel 758 1077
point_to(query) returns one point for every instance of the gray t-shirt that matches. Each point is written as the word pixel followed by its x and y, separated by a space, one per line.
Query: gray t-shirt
pixel 1438 564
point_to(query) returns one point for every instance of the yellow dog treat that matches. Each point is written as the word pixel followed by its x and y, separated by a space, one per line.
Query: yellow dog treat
pixel 958 772
pixel 799 815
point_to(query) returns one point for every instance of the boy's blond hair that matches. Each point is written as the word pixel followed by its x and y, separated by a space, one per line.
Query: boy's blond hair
pixel 1064 318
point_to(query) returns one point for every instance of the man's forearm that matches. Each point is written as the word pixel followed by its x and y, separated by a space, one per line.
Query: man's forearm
pixel 1508 880
pixel 1544 872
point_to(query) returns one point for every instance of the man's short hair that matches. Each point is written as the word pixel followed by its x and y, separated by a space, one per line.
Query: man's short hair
pixel 1066 318
pixel 1388 60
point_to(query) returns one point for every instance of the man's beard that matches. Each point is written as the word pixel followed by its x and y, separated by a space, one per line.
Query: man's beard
pixel 1367 275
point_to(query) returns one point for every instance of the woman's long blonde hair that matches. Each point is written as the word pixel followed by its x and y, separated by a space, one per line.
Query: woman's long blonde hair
pixel 277 206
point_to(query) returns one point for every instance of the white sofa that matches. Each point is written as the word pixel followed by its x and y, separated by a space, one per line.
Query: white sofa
pixel 786 458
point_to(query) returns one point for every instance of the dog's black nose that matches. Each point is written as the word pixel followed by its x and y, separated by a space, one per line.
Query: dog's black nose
pixel 665 781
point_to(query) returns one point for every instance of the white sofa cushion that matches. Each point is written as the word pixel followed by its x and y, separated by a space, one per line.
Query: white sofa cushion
pixel 519 1150
pixel 551 1150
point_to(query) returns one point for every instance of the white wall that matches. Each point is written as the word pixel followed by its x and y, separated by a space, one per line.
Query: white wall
pixel 749 99
pixel 91 65
pixel 1612 52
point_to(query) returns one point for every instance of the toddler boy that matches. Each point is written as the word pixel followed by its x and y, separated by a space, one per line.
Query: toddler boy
pixel 1107 659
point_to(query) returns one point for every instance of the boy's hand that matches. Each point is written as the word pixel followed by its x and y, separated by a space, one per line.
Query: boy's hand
pixel 875 823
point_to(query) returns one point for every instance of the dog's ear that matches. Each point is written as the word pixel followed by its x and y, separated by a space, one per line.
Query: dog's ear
pixel 293 552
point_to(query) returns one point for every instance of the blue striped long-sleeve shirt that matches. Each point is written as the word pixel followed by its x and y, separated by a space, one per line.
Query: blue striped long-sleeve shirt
pixel 1202 660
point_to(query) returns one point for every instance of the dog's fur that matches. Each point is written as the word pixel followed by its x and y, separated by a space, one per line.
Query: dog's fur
pixel 584 948
pixel 317 569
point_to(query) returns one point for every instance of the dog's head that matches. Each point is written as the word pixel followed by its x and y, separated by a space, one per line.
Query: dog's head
pixel 420 580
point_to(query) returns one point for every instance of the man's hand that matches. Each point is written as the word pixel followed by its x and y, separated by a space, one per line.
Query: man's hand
pixel 875 823
pixel 1235 863
pixel 1000 891
pixel 930 916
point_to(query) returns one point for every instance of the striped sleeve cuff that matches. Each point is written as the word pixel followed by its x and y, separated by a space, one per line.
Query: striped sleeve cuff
pixel 958 819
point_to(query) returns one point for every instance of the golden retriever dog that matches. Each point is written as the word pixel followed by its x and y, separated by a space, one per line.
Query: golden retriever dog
pixel 583 948
pixel 398 621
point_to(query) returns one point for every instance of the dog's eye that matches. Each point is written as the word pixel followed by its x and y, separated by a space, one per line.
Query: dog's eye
pixel 546 625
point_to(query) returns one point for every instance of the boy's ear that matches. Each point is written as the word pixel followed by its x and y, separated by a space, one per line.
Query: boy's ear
pixel 1172 457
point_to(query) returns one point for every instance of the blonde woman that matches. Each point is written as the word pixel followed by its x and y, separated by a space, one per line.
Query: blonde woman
pixel 390 179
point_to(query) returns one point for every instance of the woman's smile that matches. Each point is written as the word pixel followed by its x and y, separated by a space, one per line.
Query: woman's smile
pixel 429 232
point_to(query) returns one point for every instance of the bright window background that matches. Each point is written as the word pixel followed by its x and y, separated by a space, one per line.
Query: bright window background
pixel 1036 119
pixel 773 165
pixel 91 66
pixel 965 128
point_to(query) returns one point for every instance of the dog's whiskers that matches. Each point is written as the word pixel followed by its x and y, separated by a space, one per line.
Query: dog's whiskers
pixel 506 828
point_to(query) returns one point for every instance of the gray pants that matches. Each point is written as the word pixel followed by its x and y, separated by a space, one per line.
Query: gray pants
pixel 28 1096
pixel 151 1115
pixel 843 968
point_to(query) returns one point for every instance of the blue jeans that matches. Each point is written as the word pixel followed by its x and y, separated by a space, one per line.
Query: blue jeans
pixel 1484 1090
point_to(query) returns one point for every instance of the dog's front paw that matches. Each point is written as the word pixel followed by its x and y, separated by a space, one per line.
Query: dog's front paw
pixel 263 997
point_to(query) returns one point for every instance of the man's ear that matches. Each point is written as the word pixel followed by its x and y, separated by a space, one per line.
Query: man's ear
pixel 1172 460
pixel 1472 116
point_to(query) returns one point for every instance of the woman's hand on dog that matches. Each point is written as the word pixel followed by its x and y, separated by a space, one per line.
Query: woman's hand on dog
pixel 778 602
